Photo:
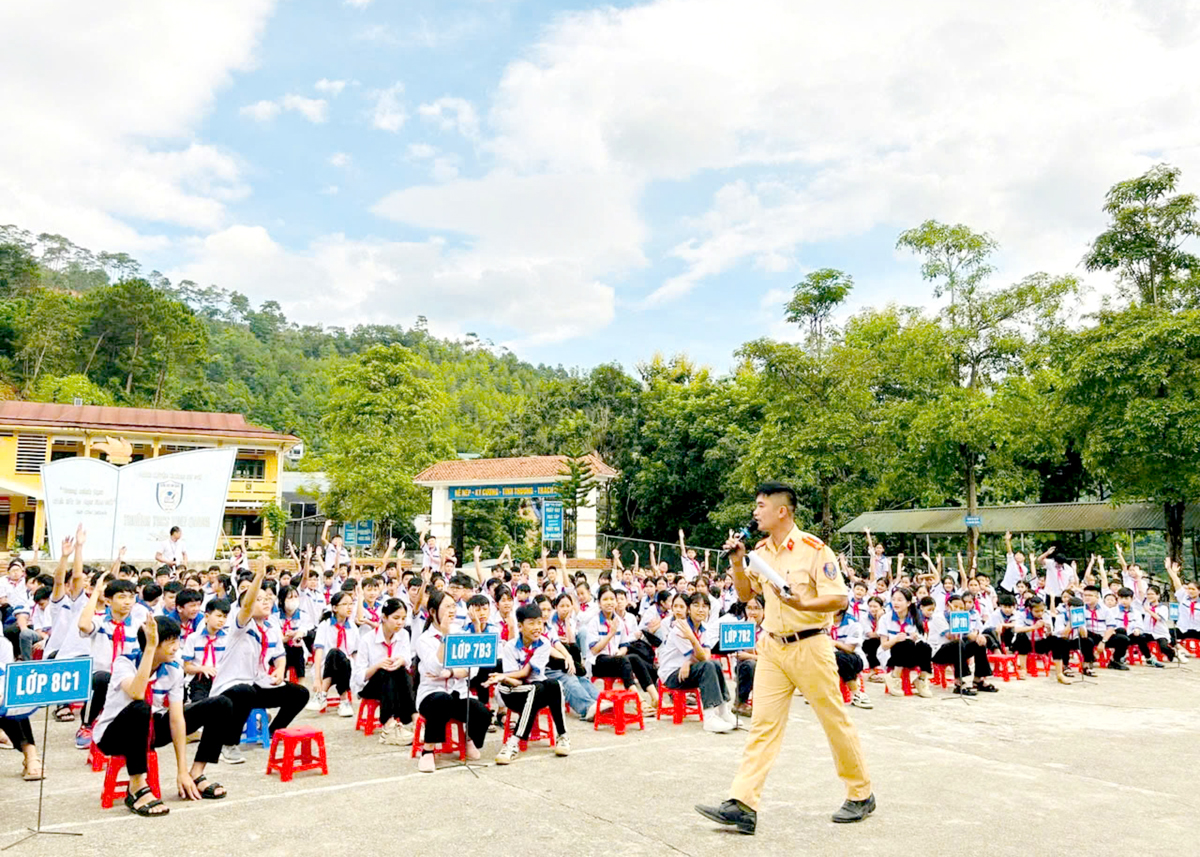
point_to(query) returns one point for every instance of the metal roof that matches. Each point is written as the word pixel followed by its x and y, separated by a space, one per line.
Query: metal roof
pixel 533 468
pixel 1031 518
pixel 116 420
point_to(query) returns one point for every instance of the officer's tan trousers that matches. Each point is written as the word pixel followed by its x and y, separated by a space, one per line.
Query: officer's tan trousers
pixel 808 666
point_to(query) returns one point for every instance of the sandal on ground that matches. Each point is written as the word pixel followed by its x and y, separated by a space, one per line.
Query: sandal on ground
pixel 146 810
pixel 64 714
pixel 209 793
pixel 986 688
pixel 32 776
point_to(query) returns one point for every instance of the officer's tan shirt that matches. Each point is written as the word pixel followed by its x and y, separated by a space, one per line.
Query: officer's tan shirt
pixel 811 570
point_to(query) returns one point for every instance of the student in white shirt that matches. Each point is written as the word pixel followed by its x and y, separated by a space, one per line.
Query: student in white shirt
pixel 203 650
pixel 1157 622
pixel 333 654
pixel 295 622
pixel 442 693
pixel 608 653
pixel 848 637
pixel 1188 596
pixel 251 673
pixel 960 651
pixel 239 561
pixel 15 592
pixel 685 661
pixel 746 661
pixel 110 635
pixel 656 620
pixel 526 688
pixel 565 665
pixel 903 645
pixel 144 709
pixel 381 672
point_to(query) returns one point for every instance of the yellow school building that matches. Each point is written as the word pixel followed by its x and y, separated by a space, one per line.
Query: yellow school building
pixel 34 433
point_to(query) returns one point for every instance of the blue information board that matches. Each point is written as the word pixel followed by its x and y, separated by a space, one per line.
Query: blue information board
pixel 1173 611
pixel 973 520
pixel 1078 617
pixel 501 492
pixel 47 682
pixel 552 521
pixel 472 650
pixel 960 622
pixel 737 636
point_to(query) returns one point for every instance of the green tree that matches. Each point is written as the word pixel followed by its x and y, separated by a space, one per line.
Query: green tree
pixel 1135 380
pixel 1149 225
pixel 815 298
pixel 383 426
pixel 575 485
pixel 65 389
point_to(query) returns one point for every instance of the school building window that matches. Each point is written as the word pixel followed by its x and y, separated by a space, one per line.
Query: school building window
pixel 31 453
pixel 243 525
pixel 249 468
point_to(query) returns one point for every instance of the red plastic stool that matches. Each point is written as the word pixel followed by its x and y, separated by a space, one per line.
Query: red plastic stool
pixel 1075 660
pixel 1034 662
pixel 456 740
pixel 115 788
pixel 847 693
pixel 1157 652
pixel 609 683
pixel 679 708
pixel 291 676
pixel 303 750
pixel 1004 666
pixel 333 700
pixel 96 758
pixel 1192 646
pixel 939 675
pixel 905 681
pixel 368 716
pixel 726 664
pixel 618 716
pixel 1134 656
pixel 1104 656
pixel 538 733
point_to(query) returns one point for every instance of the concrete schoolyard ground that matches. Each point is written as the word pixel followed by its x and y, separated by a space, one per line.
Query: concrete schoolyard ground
pixel 1111 766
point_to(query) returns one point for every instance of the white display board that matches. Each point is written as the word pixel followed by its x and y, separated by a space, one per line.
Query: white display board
pixel 135 506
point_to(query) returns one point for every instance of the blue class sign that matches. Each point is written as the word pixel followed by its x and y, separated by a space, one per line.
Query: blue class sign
pixel 1078 617
pixel 1173 611
pixel 47 682
pixel 960 622
pixel 552 521
pixel 472 650
pixel 737 636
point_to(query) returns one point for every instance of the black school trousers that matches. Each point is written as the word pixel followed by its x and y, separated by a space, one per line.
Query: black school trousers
pixel 128 734
pixel 911 654
pixel 628 668
pixel 394 692
pixel 528 699
pixel 336 667
pixel 439 708
pixel 289 698
pixel 18 730
pixel 966 656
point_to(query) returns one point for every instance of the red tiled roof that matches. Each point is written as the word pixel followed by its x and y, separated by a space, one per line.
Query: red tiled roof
pixel 116 420
pixel 529 467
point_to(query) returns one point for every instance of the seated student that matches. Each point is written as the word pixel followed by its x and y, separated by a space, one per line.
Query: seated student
pixel 873 629
pixel 381 672
pixel 442 693
pixel 479 610
pixel 656 619
pixel 188 608
pixel 366 608
pixel 333 653
pixel 963 651
pixel 144 709
pixel 847 633
pixel 525 687
pixel 563 666
pixel 903 645
pixel 294 629
pixel 15 590
pixel 18 729
pixel 251 673
pixel 1188 595
pixel 151 597
pixel 1067 639
pixel 685 661
pixel 1116 633
pixel 1001 625
pixel 746 661
pixel 1128 621
pixel 112 634
pixel 1095 623
pixel 1157 623
pixel 203 650
pixel 561 628
pixel 608 655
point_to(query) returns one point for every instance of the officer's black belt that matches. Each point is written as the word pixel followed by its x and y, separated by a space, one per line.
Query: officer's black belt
pixel 798 636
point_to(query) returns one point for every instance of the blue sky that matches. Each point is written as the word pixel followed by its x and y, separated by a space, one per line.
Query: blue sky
pixel 581 182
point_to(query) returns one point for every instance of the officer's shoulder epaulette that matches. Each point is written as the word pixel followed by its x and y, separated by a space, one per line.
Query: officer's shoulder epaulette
pixel 812 541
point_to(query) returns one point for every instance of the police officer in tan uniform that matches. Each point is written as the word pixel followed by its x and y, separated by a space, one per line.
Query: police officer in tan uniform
pixel 794 653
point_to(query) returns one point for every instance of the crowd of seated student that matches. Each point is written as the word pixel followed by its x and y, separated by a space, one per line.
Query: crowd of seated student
pixel 179 653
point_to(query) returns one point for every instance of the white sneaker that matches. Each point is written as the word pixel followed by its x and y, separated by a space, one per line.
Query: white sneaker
pixel 509 751
pixel 861 700
pixel 472 752
pixel 345 708
pixel 316 702
pixel 922 688
pixel 713 722
pixel 404 734
pixel 231 754
pixel 590 714
pixel 1181 653
pixel 427 764
pixel 562 746
pixel 894 683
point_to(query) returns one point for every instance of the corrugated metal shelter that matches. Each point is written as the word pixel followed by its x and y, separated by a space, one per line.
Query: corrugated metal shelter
pixel 1032 518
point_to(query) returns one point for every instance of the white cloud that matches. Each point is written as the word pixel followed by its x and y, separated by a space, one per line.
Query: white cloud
pixel 445 168
pixel 142 160
pixel 421 150
pixel 340 159
pixel 332 87
pixel 358 4
pixel 330 190
pixel 388 112
pixel 343 281
pixel 261 111
pixel 452 114
pixel 313 109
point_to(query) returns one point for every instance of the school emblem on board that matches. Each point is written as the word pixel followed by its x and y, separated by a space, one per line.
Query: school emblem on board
pixel 168 494
pixel 830 570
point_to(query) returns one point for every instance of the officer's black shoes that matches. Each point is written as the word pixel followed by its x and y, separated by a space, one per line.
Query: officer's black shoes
pixel 736 814
pixel 854 810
